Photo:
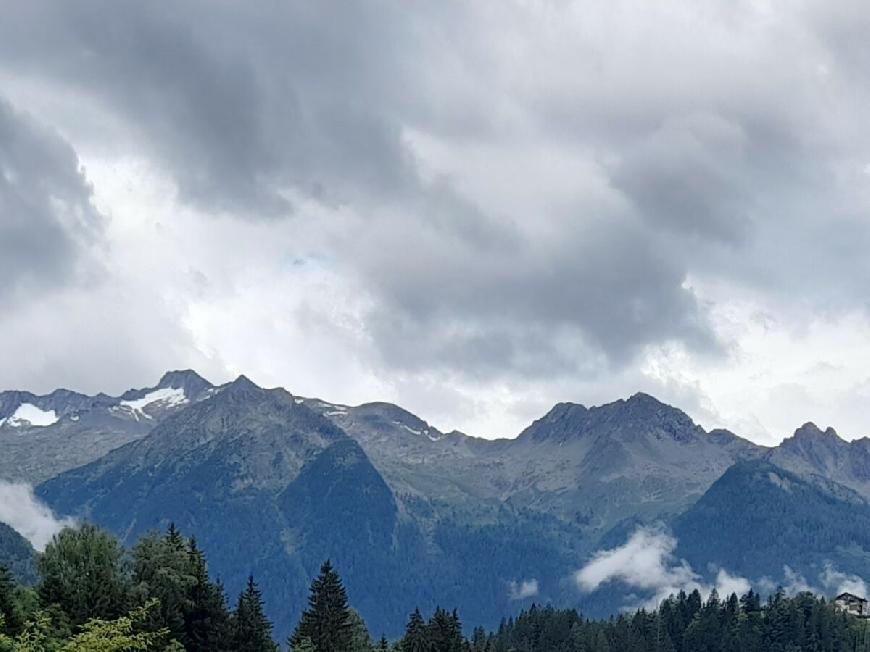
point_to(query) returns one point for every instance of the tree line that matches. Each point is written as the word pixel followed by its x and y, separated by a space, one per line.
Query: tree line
pixel 93 596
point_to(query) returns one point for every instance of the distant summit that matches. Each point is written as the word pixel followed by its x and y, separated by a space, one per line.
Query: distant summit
pixel 191 382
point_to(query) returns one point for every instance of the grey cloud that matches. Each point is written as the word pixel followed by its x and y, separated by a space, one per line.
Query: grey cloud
pixel 248 106
pixel 690 176
pixel 230 97
pixel 244 103
pixel 541 309
pixel 47 220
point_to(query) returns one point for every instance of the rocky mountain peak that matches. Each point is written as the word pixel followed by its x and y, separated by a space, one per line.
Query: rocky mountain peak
pixel 563 421
pixel 645 406
pixel 191 382
pixel 811 432
pixel 242 387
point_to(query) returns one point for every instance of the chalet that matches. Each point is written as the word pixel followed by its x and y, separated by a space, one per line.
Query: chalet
pixel 852 604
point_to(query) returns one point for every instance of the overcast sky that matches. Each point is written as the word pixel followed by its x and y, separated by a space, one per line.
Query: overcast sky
pixel 472 209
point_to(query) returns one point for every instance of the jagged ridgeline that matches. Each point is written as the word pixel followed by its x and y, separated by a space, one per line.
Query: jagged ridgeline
pixel 271 484
pixel 160 597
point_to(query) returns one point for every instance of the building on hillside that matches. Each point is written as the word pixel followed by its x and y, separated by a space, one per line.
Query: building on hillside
pixel 852 604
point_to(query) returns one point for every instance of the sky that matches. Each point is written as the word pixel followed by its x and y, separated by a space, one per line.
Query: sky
pixel 472 209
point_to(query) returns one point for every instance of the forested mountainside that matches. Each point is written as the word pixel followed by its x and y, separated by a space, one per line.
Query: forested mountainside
pixel 764 517
pixel 273 483
pixel 17 555
pixel 93 596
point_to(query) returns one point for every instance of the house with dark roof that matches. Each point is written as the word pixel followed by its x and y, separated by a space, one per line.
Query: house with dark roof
pixel 852 604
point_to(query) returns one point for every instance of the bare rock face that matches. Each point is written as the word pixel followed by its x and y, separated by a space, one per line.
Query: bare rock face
pixel 822 456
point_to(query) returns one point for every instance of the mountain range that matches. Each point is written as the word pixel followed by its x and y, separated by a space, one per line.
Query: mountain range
pixel 272 483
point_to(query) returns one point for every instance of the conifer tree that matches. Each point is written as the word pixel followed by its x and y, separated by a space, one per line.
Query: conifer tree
pixel 207 620
pixel 361 640
pixel 444 632
pixel 416 636
pixel 10 610
pixel 303 645
pixel 252 631
pixel 162 569
pixel 327 622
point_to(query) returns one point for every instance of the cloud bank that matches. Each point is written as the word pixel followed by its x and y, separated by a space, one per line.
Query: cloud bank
pixel 474 209
pixel 23 512
pixel 647 562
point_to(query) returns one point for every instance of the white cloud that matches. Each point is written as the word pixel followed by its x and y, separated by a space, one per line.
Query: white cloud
pixel 647 562
pixel 726 583
pixel 22 510
pixel 836 582
pixel 831 581
pixel 522 590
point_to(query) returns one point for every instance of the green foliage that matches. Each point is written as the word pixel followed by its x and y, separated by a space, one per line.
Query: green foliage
pixel 304 644
pixel 207 620
pixel 328 621
pixel 252 631
pixel 191 607
pixel 444 632
pixel 684 624
pixel 360 639
pixel 162 569
pixel 416 637
pixel 121 635
pixel 17 555
pixel 10 610
pixel 177 608
pixel 83 573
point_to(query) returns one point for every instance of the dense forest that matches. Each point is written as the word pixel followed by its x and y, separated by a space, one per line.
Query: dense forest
pixel 94 596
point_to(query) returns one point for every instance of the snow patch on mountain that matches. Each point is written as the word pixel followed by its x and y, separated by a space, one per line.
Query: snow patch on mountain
pixel 166 397
pixel 414 431
pixel 29 414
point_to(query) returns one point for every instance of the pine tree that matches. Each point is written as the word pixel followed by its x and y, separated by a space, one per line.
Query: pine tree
pixel 162 569
pixel 207 620
pixel 303 645
pixel 10 611
pixel 252 631
pixel 383 644
pixel 327 622
pixel 478 639
pixel 361 640
pixel 416 637
pixel 444 632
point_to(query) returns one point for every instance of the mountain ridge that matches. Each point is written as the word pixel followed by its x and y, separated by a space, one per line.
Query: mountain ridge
pixel 274 482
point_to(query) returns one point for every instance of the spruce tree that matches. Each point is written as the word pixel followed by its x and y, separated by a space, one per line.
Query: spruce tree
pixel 416 637
pixel 162 569
pixel 252 631
pixel 207 620
pixel 10 610
pixel 444 632
pixel 327 622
